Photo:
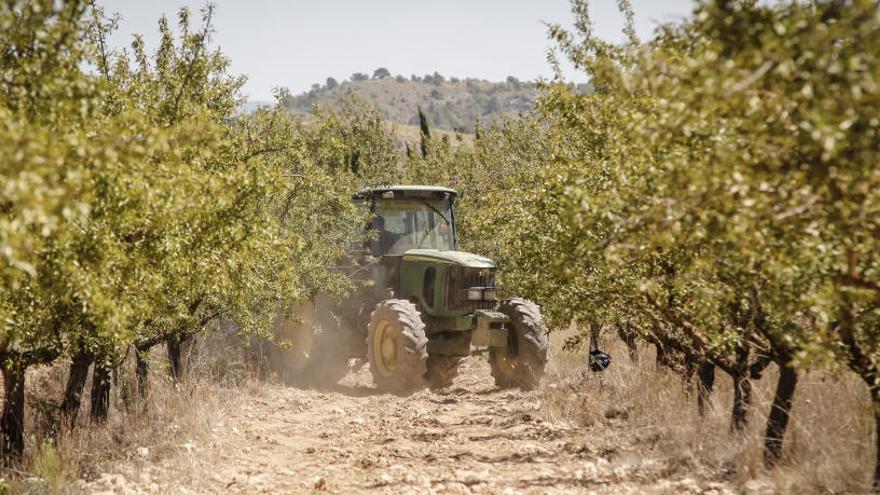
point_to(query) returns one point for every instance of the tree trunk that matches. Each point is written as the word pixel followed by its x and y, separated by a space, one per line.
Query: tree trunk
pixel 629 338
pixel 100 392
pixel 875 404
pixel 706 372
pixel 742 398
pixel 173 345
pixel 861 363
pixel 777 421
pixel 595 329
pixel 687 377
pixel 12 420
pixel 76 383
pixel 189 352
pixel 662 357
pixel 142 369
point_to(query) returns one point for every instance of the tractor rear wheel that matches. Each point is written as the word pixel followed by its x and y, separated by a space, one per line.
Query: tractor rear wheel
pixel 525 367
pixel 397 347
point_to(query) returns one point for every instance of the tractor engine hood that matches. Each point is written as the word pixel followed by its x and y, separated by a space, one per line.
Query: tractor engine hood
pixel 460 258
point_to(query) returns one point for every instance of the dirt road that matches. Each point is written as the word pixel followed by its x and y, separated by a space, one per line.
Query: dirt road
pixel 473 438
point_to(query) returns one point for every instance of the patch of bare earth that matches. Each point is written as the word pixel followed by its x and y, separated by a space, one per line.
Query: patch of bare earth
pixel 473 438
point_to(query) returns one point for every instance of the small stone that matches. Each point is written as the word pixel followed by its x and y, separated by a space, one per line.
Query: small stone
pixel 320 484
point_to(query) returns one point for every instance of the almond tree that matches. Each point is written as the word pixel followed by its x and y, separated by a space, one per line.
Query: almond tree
pixel 136 204
pixel 706 191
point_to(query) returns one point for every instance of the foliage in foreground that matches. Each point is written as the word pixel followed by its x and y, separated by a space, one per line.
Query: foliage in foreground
pixel 717 194
pixel 137 206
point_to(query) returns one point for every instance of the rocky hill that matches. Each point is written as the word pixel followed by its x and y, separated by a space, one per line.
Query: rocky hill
pixel 451 104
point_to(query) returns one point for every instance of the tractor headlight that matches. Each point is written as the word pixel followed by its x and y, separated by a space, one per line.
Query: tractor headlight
pixel 481 294
pixel 475 294
pixel 489 294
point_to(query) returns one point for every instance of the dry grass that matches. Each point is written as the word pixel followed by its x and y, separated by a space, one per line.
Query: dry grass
pixel 637 417
pixel 139 434
pixel 636 410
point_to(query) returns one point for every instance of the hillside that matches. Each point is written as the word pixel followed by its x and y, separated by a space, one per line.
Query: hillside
pixel 450 104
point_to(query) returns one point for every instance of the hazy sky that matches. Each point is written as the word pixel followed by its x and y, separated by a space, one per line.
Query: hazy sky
pixel 295 43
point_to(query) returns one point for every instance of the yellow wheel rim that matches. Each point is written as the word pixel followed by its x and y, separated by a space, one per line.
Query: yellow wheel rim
pixel 385 348
pixel 505 363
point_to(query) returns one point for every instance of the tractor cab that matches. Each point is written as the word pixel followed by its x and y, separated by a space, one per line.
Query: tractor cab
pixel 410 217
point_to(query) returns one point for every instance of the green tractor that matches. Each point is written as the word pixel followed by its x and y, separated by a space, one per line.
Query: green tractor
pixel 420 307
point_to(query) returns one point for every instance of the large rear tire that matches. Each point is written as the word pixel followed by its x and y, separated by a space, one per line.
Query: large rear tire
pixel 525 368
pixel 397 347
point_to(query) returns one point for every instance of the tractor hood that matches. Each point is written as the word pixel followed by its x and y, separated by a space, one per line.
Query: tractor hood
pixel 462 258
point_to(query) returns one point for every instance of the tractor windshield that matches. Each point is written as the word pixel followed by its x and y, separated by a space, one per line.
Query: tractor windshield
pixel 404 224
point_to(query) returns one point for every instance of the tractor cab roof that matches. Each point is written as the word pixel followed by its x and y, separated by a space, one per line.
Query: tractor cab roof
pixel 403 191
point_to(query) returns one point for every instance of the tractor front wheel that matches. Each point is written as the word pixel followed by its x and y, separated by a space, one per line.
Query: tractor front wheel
pixel 397 347
pixel 524 365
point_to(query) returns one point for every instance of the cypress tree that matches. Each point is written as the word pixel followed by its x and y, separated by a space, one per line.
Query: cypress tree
pixel 354 162
pixel 426 131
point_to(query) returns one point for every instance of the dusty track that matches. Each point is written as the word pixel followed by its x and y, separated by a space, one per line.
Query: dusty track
pixel 473 438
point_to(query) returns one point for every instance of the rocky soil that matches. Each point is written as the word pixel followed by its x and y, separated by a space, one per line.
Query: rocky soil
pixel 473 438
